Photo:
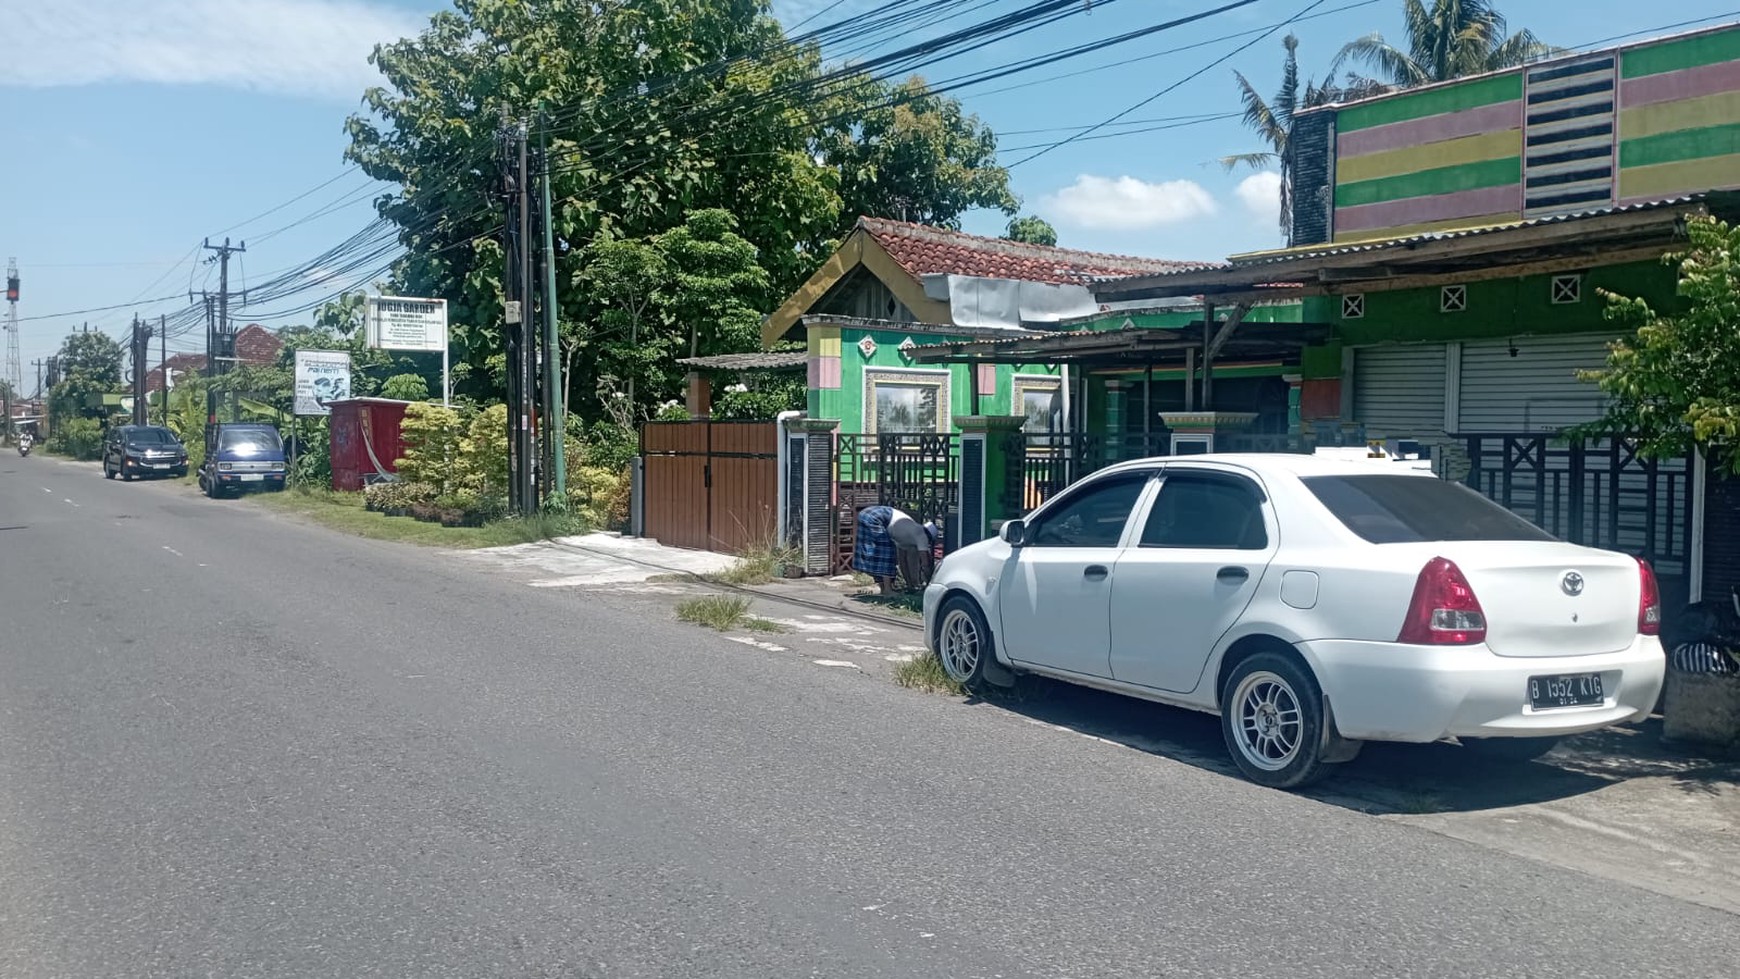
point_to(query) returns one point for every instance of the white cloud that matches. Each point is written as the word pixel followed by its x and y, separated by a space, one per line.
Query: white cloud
pixel 1260 193
pixel 299 47
pixel 1125 203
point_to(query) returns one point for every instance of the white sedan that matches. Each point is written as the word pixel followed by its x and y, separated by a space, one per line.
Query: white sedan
pixel 1313 605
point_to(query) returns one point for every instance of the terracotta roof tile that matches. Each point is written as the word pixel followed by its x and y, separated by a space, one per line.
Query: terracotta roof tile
pixel 924 250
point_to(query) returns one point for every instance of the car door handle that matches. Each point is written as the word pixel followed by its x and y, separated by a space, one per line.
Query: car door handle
pixel 1232 574
pixel 1095 571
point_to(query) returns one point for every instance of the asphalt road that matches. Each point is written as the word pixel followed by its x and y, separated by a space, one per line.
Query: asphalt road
pixel 232 745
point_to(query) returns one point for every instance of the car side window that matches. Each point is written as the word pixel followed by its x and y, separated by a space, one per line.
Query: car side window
pixel 1211 512
pixel 1092 517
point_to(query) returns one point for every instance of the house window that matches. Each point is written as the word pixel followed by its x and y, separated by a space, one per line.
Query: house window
pixel 1567 289
pixel 1353 307
pixel 906 401
pixel 1040 399
pixel 1453 299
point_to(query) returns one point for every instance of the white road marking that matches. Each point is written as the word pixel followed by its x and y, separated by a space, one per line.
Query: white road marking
pixel 176 552
pixel 835 662
pixel 47 490
pixel 898 657
pixel 70 503
pixel 758 644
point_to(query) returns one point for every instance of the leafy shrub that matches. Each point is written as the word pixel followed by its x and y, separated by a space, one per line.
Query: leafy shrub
pixel 600 497
pixel 79 438
pixel 397 496
pixel 483 453
pixel 431 436
pixel 761 404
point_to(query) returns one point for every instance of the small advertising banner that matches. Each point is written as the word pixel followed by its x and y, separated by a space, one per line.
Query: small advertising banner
pixel 322 377
pixel 405 323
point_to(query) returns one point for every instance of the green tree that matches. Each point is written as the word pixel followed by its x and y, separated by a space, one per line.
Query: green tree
pixel 640 137
pixel 405 387
pixel 1032 230
pixel 917 156
pixel 1447 40
pixel 715 283
pixel 90 365
pixel 624 277
pixel 1673 384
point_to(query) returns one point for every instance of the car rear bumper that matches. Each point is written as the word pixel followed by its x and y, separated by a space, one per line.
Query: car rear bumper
pixel 1393 692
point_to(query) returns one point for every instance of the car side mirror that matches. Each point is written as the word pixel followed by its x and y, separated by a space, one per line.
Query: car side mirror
pixel 1013 533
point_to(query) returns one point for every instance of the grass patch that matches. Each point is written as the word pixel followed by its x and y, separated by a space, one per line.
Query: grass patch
pixel 926 673
pixel 759 564
pixel 901 604
pixel 344 512
pixel 723 612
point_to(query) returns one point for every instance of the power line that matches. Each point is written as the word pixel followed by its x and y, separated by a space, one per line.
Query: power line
pixel 1168 89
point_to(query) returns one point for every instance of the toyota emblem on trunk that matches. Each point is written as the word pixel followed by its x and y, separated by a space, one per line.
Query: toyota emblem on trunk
pixel 1572 583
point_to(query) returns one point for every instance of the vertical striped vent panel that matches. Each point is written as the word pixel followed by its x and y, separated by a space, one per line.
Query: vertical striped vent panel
pixel 1568 156
pixel 972 489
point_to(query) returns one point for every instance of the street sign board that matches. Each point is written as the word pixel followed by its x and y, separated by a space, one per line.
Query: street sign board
pixel 322 377
pixel 406 323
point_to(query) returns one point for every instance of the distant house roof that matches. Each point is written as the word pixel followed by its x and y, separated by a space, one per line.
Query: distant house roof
pixel 901 255
pixel 255 345
pixel 924 250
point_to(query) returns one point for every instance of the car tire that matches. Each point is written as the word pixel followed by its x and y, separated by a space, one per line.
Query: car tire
pixel 1271 715
pixel 963 642
pixel 126 477
pixel 107 472
pixel 1509 750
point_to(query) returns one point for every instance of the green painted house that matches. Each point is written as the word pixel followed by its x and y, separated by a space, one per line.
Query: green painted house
pixel 1454 241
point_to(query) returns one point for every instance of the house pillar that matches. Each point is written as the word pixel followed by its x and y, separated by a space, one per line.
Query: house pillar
pixel 1295 422
pixel 818 493
pixel 1117 392
pixel 992 474
pixel 699 395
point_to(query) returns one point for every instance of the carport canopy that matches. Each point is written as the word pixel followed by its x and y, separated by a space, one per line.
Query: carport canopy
pixel 1561 243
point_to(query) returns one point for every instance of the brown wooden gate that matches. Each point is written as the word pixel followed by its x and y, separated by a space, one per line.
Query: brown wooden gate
pixel 712 486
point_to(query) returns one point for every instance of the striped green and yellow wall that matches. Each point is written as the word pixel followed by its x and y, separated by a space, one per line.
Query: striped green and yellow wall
pixel 1443 157
pixel 1451 156
pixel 1679 118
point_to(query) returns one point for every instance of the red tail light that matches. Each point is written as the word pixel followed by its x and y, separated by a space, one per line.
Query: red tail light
pixel 1444 611
pixel 1648 601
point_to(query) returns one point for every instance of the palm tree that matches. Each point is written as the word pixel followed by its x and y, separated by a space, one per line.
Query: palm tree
pixel 1272 120
pixel 1451 39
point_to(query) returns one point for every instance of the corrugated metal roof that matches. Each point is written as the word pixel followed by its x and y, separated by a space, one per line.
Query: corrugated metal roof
pixel 1305 253
pixel 1379 244
pixel 776 360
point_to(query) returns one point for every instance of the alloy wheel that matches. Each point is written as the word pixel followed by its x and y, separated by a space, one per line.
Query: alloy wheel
pixel 1270 727
pixel 958 645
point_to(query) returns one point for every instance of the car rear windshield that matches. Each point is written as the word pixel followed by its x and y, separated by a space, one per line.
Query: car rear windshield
pixel 1387 509
pixel 150 436
pixel 257 440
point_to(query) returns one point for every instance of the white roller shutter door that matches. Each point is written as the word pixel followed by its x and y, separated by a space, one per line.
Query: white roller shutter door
pixel 1535 391
pixel 1398 390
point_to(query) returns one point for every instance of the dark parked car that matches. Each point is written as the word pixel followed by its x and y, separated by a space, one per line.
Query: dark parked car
pixel 132 451
pixel 242 457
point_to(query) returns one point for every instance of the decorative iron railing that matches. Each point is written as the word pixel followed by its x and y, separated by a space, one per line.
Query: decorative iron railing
pixel 918 473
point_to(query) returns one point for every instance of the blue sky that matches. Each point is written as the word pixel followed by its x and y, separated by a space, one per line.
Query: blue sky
pixel 139 127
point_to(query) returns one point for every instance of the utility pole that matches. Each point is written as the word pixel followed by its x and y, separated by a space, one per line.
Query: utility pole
pixel 37 363
pixel 163 367
pixel 222 328
pixel 141 366
pixel 555 388
pixel 517 292
pixel 14 371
